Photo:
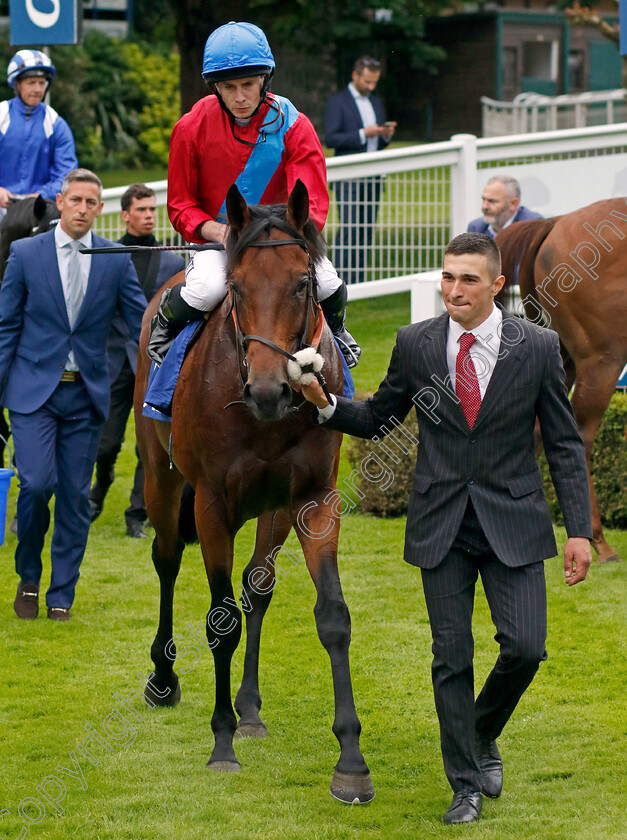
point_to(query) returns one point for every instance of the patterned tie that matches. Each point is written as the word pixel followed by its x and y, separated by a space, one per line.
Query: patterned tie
pixel 466 381
pixel 75 282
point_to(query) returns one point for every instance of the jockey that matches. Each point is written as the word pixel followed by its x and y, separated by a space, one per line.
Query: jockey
pixel 36 144
pixel 241 134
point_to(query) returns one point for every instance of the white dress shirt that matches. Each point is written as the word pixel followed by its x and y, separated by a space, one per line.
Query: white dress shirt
pixel 368 117
pixel 484 352
pixel 62 241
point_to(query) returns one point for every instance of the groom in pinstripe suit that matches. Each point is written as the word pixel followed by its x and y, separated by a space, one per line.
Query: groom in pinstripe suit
pixel 478 378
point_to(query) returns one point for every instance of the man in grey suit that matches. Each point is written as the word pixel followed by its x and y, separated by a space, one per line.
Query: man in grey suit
pixel 478 378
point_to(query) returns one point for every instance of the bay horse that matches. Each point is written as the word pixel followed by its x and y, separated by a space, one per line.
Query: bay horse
pixel 27 216
pixel 246 444
pixel 572 273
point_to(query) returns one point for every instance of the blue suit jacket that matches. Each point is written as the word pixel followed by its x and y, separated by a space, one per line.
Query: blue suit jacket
pixel 342 122
pixel 522 215
pixel 35 333
pixel 122 345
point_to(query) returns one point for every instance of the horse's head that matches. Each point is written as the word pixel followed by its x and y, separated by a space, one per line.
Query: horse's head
pixel 28 217
pixel 271 254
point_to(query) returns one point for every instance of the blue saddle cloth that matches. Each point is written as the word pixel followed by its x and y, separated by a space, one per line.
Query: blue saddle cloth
pixel 163 378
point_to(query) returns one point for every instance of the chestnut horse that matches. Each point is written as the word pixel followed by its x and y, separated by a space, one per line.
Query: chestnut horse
pixel 571 271
pixel 246 444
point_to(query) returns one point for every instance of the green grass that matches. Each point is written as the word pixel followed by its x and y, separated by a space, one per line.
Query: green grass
pixel 563 749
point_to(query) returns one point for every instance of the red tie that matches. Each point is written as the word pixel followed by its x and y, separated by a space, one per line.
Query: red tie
pixel 466 382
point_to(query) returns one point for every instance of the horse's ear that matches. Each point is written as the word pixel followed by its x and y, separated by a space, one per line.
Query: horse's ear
pixel 236 209
pixel 298 206
pixel 39 207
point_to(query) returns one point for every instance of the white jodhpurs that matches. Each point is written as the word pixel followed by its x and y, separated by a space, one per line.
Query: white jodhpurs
pixel 205 280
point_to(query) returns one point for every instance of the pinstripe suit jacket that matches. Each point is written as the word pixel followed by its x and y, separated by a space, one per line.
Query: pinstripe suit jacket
pixel 495 462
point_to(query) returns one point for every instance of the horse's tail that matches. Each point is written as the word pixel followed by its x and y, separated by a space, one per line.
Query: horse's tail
pixel 187 519
pixel 519 245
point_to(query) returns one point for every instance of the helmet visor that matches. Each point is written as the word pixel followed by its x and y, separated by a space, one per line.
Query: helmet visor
pixel 237 73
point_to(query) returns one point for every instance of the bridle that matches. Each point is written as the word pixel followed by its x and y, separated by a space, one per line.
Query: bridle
pixel 312 307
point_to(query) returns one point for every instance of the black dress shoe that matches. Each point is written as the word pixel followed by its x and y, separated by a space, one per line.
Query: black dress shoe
pixel 96 500
pixel 465 807
pixel 491 766
pixel 135 529
pixel 26 604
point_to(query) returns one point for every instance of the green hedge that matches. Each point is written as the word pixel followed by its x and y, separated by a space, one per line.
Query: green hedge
pixel 120 98
pixel 609 468
pixel 386 492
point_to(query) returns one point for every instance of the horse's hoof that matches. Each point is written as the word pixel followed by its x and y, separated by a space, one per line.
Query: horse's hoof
pixel 352 788
pixel 223 766
pixel 251 730
pixel 172 698
pixel 613 558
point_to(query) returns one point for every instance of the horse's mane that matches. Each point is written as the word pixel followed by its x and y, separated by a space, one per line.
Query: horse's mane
pixel 264 217
pixel 519 244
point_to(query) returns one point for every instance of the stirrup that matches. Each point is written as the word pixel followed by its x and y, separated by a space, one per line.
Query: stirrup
pixel 352 359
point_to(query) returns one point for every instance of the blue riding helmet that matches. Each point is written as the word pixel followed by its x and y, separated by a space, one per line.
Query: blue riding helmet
pixel 237 50
pixel 27 63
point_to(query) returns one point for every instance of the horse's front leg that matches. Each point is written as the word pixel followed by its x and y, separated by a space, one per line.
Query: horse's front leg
pixel 258 583
pixel 224 622
pixel 163 500
pixel 318 532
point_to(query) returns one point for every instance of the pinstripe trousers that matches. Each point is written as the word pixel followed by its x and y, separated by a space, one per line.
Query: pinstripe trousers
pixel 517 601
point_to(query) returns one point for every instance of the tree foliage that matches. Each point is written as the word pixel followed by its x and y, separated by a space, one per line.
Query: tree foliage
pixel 334 31
pixel 580 15
pixel 120 99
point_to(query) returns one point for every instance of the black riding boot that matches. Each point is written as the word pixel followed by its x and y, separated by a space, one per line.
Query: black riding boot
pixel 173 314
pixel 334 308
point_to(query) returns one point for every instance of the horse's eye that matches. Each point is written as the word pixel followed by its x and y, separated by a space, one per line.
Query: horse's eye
pixel 235 290
pixel 302 286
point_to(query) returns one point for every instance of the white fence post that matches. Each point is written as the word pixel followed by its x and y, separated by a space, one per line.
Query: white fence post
pixel 464 184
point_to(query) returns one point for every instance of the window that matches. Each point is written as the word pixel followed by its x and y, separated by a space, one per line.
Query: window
pixel 576 67
pixel 510 67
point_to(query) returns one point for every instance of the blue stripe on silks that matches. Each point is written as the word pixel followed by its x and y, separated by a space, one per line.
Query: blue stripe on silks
pixel 265 157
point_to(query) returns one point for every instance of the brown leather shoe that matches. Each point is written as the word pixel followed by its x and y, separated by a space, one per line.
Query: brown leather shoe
pixel 26 604
pixel 59 613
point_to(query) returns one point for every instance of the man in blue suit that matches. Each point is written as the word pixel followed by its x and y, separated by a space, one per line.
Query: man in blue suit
pixel 154 268
pixel 354 122
pixel 56 307
pixel 501 207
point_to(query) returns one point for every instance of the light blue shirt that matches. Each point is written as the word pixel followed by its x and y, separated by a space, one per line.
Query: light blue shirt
pixel 62 241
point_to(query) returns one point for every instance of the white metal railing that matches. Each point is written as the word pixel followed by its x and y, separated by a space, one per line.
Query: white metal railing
pixel 430 192
pixel 530 112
